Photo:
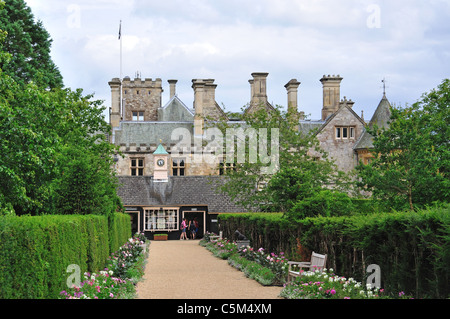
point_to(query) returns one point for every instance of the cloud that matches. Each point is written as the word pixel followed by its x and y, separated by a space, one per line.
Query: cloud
pixel 362 40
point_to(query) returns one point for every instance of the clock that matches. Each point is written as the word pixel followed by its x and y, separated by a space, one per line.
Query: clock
pixel 160 162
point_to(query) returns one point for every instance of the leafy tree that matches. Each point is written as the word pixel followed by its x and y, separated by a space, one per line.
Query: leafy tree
pixel 28 44
pixel 297 174
pixel 412 156
pixel 55 157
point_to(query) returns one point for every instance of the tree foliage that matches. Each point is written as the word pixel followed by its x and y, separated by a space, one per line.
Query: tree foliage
pixel 412 156
pixel 55 156
pixel 28 44
pixel 297 176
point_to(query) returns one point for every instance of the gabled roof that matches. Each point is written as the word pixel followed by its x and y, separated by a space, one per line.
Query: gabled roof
pixel 332 116
pixel 177 191
pixel 380 118
pixel 175 110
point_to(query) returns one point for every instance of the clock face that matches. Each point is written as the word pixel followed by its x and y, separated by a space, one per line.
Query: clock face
pixel 160 162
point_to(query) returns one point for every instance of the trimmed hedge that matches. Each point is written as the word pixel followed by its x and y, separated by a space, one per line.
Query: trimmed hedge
pixel 412 248
pixel 35 251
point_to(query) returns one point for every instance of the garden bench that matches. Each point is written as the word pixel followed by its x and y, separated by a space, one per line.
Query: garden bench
pixel 214 237
pixel 317 263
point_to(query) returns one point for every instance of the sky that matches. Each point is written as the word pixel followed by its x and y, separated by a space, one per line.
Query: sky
pixel 405 42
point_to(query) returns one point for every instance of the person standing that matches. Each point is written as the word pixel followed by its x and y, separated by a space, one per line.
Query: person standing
pixel 196 226
pixel 192 229
pixel 183 229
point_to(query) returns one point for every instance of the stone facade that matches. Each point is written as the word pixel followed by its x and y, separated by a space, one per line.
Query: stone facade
pixel 339 131
pixel 339 144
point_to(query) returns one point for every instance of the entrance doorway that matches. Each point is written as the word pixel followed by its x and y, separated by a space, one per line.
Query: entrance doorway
pixel 200 216
pixel 134 216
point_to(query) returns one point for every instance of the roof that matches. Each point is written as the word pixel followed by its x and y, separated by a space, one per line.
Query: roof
pixel 148 133
pixel 380 118
pixel 175 111
pixel 160 150
pixel 332 116
pixel 177 191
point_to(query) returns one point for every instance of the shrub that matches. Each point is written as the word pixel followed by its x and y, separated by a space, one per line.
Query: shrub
pixel 35 251
pixel 412 248
pixel 323 203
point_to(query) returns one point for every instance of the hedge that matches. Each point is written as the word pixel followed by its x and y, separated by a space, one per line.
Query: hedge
pixel 35 251
pixel 412 248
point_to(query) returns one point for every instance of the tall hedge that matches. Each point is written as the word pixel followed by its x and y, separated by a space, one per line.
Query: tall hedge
pixel 36 251
pixel 412 249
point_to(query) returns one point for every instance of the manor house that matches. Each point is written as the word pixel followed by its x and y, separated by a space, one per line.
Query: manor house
pixel 160 185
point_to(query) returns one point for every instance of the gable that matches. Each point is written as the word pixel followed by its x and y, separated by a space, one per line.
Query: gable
pixel 175 111
pixel 345 116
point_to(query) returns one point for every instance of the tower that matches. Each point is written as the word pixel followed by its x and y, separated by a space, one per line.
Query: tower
pixel 161 168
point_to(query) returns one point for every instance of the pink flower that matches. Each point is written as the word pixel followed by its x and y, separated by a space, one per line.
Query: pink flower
pixel 333 292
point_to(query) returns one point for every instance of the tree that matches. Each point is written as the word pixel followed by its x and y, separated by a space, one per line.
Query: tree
pixel 297 174
pixel 54 153
pixel 28 44
pixel 411 157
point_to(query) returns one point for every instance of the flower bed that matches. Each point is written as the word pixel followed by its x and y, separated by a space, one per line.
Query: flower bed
pixel 271 269
pixel 267 269
pixel 327 285
pixel 117 281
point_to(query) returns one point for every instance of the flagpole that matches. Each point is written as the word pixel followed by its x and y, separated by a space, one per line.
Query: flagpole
pixel 121 99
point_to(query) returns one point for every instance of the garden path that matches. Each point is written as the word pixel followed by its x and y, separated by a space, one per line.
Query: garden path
pixel 182 269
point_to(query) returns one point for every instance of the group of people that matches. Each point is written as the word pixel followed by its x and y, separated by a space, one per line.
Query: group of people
pixel 192 227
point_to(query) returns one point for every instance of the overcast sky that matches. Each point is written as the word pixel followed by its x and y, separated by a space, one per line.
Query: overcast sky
pixel 405 41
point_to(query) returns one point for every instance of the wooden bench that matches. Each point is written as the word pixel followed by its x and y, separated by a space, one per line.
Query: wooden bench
pixel 317 262
pixel 214 237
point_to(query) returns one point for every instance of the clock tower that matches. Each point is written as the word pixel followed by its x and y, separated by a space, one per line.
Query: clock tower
pixel 160 171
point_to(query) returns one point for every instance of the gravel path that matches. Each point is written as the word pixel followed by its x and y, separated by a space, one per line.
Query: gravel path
pixel 182 269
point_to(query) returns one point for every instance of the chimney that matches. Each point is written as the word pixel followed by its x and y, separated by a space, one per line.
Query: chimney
pixel 346 102
pixel 199 96
pixel 292 90
pixel 331 95
pixel 259 89
pixel 173 89
pixel 115 102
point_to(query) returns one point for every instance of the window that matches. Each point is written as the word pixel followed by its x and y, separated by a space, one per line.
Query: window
pixel 344 132
pixel 138 116
pixel 137 167
pixel 224 167
pixel 161 219
pixel 178 167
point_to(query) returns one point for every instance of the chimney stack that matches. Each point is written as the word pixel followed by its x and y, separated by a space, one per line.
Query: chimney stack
pixel 199 96
pixel 259 88
pixel 115 116
pixel 331 94
pixel 292 93
pixel 173 89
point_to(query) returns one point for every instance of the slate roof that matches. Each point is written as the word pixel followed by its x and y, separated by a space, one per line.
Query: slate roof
pixel 380 118
pixel 177 191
